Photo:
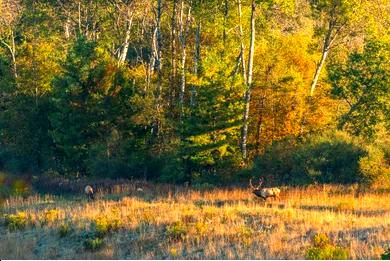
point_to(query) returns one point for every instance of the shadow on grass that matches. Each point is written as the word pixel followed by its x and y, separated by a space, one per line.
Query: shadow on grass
pixel 341 210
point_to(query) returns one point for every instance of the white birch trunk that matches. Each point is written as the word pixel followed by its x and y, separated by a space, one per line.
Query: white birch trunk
pixel 242 46
pixel 244 135
pixel 173 54
pixel 183 39
pixel 125 46
pixel 329 39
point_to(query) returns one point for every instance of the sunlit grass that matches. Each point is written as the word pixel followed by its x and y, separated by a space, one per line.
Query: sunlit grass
pixel 169 222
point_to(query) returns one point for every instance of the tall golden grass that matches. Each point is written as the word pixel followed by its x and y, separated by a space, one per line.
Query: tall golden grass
pixel 166 222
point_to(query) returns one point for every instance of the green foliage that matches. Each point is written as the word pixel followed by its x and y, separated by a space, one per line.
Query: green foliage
pixel 322 249
pixel 92 104
pixel 177 231
pixel 50 216
pixel 326 158
pixel 386 255
pixel 16 221
pixel 211 128
pixel 375 166
pixel 102 225
pixel 93 244
pixel 65 229
pixel 363 82
pixel 70 104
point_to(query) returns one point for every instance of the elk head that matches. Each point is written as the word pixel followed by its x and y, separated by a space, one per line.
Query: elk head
pixel 256 189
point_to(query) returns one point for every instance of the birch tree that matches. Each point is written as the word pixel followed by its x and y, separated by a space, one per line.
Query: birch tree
pixel 247 98
pixel 336 19
pixel 184 25
pixel 10 13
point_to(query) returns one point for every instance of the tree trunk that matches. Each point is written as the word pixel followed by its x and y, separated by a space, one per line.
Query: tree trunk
pixel 125 46
pixel 242 47
pixel 244 134
pixel 79 21
pixel 13 55
pixel 157 43
pixel 329 39
pixel 225 14
pixel 159 50
pixel 259 124
pixel 183 39
pixel 67 28
pixel 12 51
pixel 173 55
pixel 318 70
pixel 197 59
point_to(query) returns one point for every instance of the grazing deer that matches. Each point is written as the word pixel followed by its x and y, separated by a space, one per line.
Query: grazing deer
pixel 264 193
pixel 88 190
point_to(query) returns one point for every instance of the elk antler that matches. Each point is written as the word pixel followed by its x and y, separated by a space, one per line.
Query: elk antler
pixel 261 180
pixel 250 183
pixel 253 187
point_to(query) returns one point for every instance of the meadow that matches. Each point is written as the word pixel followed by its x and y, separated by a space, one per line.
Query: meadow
pixel 169 222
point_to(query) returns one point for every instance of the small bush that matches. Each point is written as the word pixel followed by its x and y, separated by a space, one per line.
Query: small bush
pixel 321 240
pixel 200 229
pixel 177 231
pixel 386 255
pixel 64 230
pixel 50 216
pixel 103 225
pixel 375 167
pixel 173 252
pixel 93 243
pixel 16 221
pixel 322 249
pixel 245 235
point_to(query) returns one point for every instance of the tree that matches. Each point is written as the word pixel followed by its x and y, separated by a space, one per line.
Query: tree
pixel 337 21
pixel 363 82
pixel 247 98
pixel 10 14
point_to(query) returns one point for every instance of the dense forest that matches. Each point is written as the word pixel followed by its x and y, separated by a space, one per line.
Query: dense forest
pixel 200 91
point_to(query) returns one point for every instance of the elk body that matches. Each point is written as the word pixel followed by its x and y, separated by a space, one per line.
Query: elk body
pixel 88 190
pixel 264 193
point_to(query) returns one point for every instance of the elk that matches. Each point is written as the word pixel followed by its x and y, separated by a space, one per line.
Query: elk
pixel 264 193
pixel 88 190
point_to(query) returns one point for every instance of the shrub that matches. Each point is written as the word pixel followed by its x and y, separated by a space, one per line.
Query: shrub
pixel 173 252
pixel 322 249
pixel 50 216
pixel 201 229
pixel 93 243
pixel 176 231
pixel 16 221
pixel 320 240
pixel 245 235
pixel 64 230
pixel 103 225
pixel 386 255
pixel 374 166
pixel 331 157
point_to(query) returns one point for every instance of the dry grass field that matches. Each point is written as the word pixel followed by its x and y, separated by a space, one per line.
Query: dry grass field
pixel 165 222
